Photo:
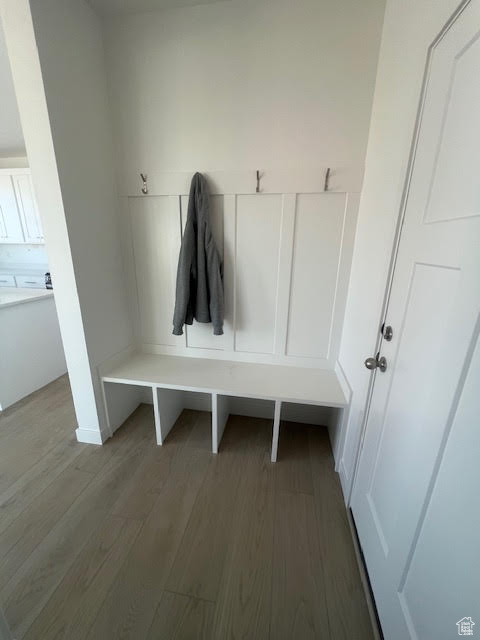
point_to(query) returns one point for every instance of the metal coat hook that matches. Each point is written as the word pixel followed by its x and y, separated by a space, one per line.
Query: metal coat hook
pixel 258 182
pixel 327 178
pixel 143 176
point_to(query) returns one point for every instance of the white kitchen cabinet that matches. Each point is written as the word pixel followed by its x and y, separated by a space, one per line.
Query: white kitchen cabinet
pixel 19 219
pixel 7 280
pixel 11 230
pixel 30 282
pixel 27 208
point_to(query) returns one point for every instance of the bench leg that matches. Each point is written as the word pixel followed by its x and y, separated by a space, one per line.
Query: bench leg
pixel 168 405
pixel 220 412
pixel 276 429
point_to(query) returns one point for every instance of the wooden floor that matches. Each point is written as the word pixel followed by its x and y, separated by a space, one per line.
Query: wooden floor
pixel 135 541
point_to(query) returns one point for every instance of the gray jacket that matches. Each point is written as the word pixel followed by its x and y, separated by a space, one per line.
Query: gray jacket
pixel 199 291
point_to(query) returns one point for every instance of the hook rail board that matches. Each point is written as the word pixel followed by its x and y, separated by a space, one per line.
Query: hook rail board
pixel 341 179
pixel 171 376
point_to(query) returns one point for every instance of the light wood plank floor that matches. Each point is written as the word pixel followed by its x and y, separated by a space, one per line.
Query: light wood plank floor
pixel 134 541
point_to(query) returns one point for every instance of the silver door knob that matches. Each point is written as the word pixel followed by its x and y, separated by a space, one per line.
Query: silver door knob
pixel 376 363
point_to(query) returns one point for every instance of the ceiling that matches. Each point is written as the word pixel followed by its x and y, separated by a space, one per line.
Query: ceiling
pixel 113 7
pixel 11 135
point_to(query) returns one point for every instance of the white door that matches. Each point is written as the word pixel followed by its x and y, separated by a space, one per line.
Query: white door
pixel 27 207
pixel 10 225
pixel 416 497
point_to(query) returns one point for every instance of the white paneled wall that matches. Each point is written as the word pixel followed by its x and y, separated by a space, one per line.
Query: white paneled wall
pixel 286 266
pixel 317 243
pixel 286 88
pixel 156 234
pixel 258 234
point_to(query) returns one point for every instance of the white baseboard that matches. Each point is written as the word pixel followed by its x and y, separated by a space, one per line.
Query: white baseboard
pixel 89 436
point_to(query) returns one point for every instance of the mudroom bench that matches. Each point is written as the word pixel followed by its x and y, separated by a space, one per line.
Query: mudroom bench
pixel 171 377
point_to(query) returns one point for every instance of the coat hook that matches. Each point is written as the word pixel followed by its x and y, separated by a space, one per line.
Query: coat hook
pixel 327 178
pixel 258 182
pixel 143 176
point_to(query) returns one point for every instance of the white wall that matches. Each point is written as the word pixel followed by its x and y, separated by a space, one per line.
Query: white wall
pixel 244 84
pixel 71 54
pixel 409 28
pixel 69 40
pixel 235 86
pixel 11 135
pixel 69 148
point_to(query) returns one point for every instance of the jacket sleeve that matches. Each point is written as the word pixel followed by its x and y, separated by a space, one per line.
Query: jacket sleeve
pixel 215 286
pixel 182 293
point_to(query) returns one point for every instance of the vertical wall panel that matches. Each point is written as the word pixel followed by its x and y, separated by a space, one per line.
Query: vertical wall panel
pixel 257 257
pixel 317 246
pixel 229 260
pixel 284 272
pixel 155 223
pixel 348 237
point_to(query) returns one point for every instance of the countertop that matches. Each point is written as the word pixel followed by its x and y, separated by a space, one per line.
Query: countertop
pixel 10 296
pixel 15 269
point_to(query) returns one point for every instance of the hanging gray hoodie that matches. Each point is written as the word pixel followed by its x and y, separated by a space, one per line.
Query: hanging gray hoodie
pixel 199 292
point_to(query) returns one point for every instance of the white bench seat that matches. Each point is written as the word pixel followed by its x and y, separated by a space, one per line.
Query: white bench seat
pixel 268 381
pixel 221 378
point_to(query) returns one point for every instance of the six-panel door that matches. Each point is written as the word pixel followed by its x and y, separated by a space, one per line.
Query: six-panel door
pixel 415 499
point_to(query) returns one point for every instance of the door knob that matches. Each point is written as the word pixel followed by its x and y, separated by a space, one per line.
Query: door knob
pixel 376 363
